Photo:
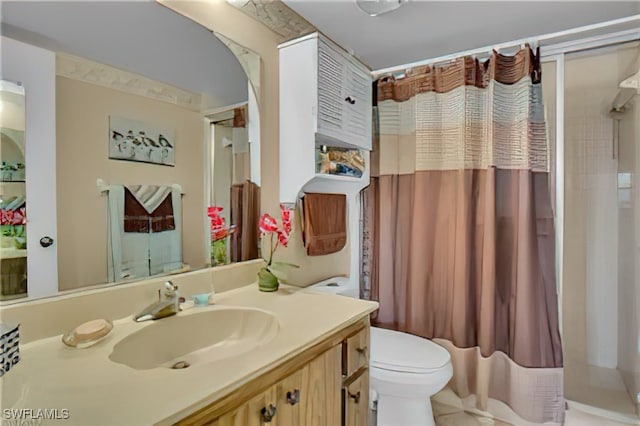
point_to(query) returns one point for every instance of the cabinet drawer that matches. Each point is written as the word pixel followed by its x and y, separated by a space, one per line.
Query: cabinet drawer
pixel 357 351
pixel 356 401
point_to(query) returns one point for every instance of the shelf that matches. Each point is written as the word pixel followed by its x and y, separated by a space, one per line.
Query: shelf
pixel 12 253
pixel 339 178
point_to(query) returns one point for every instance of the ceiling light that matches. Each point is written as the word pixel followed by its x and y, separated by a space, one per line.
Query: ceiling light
pixel 379 7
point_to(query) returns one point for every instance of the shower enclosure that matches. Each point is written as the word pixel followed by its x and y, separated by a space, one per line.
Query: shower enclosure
pixel 598 207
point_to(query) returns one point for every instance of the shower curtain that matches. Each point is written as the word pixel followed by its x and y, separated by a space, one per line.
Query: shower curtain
pixel 458 226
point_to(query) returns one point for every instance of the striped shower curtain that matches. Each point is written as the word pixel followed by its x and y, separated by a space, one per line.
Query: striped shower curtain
pixel 458 226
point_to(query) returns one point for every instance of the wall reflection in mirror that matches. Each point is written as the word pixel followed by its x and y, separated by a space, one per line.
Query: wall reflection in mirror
pixel 121 214
pixel 13 201
pixel 236 197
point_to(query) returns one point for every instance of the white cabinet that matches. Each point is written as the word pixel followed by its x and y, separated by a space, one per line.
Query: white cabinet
pixel 344 98
pixel 325 99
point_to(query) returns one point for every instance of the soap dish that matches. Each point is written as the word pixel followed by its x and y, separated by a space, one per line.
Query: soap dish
pixel 88 334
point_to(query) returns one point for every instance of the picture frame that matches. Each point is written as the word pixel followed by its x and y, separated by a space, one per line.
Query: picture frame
pixel 133 140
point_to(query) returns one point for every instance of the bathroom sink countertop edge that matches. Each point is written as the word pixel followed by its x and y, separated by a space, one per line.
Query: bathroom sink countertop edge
pixel 96 390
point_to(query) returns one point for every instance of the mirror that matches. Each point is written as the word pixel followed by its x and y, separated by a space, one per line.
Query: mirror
pixel 13 253
pixel 134 87
pixel 236 198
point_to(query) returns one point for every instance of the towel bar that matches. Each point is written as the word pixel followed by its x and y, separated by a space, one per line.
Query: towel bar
pixel 103 187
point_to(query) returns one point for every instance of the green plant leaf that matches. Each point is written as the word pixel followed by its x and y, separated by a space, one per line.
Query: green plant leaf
pixel 279 265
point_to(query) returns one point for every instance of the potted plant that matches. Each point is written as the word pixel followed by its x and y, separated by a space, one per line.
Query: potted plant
pixel 13 228
pixel 278 235
pixel 219 233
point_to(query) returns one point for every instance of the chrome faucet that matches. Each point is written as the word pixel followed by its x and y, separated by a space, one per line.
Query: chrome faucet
pixel 164 307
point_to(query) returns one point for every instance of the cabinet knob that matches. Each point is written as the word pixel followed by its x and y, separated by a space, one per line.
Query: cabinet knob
pixel 350 100
pixel 293 397
pixel 268 413
pixel 362 351
pixel 46 241
pixel 354 396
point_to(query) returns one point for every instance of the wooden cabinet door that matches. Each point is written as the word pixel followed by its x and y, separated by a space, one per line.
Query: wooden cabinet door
pixel 356 401
pixel 357 351
pixel 250 413
pixel 291 404
pixel 321 389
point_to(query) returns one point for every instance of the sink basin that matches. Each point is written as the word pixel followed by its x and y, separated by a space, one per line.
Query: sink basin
pixel 196 338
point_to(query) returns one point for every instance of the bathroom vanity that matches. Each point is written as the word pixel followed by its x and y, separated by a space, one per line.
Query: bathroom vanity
pixel 327 384
pixel 293 357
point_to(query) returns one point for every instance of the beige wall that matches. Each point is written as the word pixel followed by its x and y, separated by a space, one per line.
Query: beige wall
pixel 82 123
pixel 12 112
pixel 223 18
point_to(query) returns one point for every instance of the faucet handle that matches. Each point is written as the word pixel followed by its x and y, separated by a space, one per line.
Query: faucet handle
pixel 170 289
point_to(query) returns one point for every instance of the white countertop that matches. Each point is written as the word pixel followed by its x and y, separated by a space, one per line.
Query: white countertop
pixel 98 391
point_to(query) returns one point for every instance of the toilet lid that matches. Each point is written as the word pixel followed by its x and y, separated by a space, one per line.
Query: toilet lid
pixel 402 352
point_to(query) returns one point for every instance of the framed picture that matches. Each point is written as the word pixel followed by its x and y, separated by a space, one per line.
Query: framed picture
pixel 136 141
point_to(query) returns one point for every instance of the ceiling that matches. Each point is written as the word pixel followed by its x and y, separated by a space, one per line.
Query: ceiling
pixel 428 29
pixel 143 37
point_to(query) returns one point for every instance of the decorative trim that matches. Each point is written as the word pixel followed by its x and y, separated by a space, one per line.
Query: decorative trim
pixel 276 16
pixel 249 60
pixel 88 71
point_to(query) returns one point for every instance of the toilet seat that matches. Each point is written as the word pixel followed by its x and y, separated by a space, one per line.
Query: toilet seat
pixel 399 352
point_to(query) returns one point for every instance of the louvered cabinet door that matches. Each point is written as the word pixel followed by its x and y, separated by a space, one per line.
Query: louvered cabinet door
pixel 357 116
pixel 332 74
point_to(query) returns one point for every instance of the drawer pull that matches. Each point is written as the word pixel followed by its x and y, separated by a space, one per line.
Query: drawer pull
pixel 267 413
pixel 293 397
pixel 362 351
pixel 354 396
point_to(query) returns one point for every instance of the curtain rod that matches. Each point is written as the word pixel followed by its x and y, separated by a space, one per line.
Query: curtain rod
pixel 486 49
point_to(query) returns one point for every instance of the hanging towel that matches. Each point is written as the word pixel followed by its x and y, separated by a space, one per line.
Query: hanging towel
pixel 128 253
pixel 155 244
pixel 245 212
pixel 165 246
pixel 325 223
pixel 148 208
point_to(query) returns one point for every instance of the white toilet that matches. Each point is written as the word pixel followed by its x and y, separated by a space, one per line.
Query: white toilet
pixel 405 370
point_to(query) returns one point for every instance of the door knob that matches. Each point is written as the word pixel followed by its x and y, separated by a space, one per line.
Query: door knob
pixel 267 413
pixel 293 397
pixel 350 100
pixel 46 241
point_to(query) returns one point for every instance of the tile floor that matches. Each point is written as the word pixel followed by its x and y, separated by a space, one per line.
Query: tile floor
pixel 573 418
pixel 448 411
pixel 596 386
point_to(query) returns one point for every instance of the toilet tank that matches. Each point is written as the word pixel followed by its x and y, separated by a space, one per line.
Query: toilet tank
pixel 343 286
